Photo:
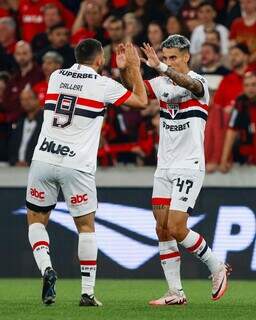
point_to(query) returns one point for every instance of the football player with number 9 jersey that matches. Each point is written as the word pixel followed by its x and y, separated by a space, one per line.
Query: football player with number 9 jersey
pixel 66 153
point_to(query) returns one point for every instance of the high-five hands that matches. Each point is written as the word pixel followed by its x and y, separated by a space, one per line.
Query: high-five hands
pixel 152 58
pixel 127 56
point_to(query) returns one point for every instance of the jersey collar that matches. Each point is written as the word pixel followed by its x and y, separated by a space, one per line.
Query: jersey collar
pixel 81 67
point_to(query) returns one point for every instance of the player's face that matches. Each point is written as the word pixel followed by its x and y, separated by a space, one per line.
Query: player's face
pixel 176 59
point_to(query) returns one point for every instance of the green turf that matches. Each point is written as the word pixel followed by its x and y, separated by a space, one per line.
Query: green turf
pixel 125 299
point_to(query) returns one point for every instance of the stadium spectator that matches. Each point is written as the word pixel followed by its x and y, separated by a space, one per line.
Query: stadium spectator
pixel 31 17
pixel 28 73
pixel 147 11
pixel 241 134
pixel 223 102
pixel 174 26
pixel 123 129
pixel 243 30
pixel 188 14
pixel 155 34
pixel 212 36
pixel 4 77
pixel 8 34
pixel 88 24
pixel 133 29
pixel 207 15
pixel 230 11
pixel 25 134
pixel 51 61
pixel 51 17
pixel 211 60
pixel 116 31
pixel 4 9
pixel 59 42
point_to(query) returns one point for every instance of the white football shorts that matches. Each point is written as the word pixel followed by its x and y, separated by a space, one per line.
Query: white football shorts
pixel 45 181
pixel 178 188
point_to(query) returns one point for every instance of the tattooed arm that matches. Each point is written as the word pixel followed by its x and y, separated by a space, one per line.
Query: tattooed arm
pixel 181 79
pixel 185 81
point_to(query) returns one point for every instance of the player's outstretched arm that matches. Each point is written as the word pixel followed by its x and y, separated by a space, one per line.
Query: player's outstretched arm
pixel 181 79
pixel 126 67
pixel 128 60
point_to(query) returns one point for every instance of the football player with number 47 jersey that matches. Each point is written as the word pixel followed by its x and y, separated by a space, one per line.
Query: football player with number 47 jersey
pixel 66 153
pixel 183 97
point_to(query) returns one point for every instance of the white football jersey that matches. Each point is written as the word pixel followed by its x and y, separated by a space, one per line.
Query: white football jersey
pixel 182 123
pixel 73 115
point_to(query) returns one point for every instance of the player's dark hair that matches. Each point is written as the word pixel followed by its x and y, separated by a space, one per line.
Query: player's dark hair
pixel 87 50
pixel 176 41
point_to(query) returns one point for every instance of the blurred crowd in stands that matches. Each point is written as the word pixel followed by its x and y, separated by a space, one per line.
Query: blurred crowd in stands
pixel 38 37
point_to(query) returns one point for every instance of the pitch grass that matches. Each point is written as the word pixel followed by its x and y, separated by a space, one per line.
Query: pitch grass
pixel 125 300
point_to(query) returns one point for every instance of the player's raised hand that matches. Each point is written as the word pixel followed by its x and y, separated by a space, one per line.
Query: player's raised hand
pixel 132 56
pixel 152 58
pixel 121 57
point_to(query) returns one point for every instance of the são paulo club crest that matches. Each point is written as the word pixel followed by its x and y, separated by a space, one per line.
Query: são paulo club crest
pixel 173 109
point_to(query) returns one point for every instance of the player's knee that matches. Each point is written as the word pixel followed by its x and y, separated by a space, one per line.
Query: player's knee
pixel 176 231
pixel 161 233
pixel 37 217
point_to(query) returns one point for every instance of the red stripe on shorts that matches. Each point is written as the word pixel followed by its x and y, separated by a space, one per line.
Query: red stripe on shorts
pixel 160 201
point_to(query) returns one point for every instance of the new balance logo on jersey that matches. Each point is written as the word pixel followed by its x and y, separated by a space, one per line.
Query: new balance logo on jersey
pixel 39 195
pixel 51 146
pixel 179 127
pixel 78 199
pixel 184 199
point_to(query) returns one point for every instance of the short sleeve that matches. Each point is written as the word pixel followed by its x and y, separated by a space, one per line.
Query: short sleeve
pixel 152 87
pixel 115 93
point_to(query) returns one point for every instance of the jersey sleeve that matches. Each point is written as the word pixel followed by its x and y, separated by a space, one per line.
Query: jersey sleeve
pixel 116 93
pixel 152 88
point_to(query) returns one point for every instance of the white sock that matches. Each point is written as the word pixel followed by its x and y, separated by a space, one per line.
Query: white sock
pixel 39 241
pixel 196 244
pixel 87 254
pixel 170 261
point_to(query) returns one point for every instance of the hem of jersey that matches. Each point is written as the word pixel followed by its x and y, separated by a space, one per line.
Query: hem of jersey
pixel 181 168
pixel 65 166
